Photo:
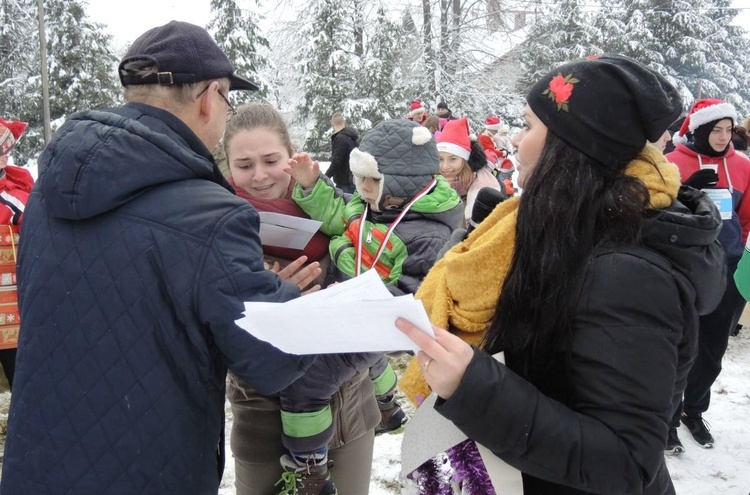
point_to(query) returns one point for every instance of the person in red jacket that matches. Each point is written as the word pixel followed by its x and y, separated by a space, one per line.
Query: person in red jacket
pixel 15 186
pixel 15 182
pixel 707 161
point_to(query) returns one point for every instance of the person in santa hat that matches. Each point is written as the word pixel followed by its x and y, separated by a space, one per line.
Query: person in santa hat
pixel 15 186
pixel 707 161
pixel 417 112
pixel 15 182
pixel 491 137
pixel 464 163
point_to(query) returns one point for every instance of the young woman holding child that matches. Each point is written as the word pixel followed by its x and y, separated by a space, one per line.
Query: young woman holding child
pixel 591 283
pixel 258 148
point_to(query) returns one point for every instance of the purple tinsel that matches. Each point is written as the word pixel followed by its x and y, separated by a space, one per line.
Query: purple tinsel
pixel 461 465
pixel 469 469
pixel 431 478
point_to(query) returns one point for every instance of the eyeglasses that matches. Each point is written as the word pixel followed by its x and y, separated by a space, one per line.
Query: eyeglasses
pixel 231 111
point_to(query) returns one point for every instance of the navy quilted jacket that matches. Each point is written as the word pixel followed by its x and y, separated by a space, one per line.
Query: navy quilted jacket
pixel 133 267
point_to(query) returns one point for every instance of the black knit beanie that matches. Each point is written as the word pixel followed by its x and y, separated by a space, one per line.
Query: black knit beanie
pixel 700 139
pixel 606 106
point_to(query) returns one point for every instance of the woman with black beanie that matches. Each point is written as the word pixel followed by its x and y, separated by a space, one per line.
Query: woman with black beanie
pixel 590 283
pixel 708 161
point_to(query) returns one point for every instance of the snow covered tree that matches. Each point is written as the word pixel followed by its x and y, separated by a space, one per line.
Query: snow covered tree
pixel 564 33
pixel 385 86
pixel 328 70
pixel 81 66
pixel 694 45
pixel 238 34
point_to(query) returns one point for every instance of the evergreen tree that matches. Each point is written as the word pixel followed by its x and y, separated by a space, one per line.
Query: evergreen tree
pixel 327 71
pixel 81 66
pixel 385 83
pixel 564 33
pixel 238 34
pixel 694 45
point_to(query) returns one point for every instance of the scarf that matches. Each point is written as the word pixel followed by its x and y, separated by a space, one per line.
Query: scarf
pixel 459 292
pixel 318 245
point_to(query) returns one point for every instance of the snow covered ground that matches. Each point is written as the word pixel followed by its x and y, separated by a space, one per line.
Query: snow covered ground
pixel 724 469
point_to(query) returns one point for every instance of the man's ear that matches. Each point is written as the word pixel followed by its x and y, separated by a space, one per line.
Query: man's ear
pixel 207 101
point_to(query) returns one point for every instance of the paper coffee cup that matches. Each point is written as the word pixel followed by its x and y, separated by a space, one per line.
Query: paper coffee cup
pixel 712 166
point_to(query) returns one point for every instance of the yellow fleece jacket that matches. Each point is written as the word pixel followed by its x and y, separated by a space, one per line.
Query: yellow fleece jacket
pixel 461 291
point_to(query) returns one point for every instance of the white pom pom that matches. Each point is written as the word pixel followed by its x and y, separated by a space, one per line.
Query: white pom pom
pixel 421 135
pixel 679 139
pixel 363 164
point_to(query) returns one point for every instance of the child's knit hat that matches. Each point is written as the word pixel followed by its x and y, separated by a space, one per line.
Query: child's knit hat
pixel 400 152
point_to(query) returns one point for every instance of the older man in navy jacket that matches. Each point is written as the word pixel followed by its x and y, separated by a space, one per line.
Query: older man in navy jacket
pixel 134 266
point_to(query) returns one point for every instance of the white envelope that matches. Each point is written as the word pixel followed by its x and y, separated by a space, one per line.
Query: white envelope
pixel 281 230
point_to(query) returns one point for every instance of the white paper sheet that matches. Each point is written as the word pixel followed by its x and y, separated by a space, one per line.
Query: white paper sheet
pixel 354 316
pixel 281 230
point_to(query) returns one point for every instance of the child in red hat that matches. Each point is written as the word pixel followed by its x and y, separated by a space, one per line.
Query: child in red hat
pixel 417 112
pixel 464 163
pixel 15 186
pixel 15 182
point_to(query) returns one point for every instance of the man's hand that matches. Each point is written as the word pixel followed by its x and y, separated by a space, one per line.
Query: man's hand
pixel 303 169
pixel 299 274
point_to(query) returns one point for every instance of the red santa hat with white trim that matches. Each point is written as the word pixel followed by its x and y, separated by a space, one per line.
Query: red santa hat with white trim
pixel 455 138
pixel 704 111
pixel 415 107
pixel 10 132
pixel 493 123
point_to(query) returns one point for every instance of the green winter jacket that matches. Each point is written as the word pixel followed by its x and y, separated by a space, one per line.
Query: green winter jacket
pixel 742 275
pixel 412 247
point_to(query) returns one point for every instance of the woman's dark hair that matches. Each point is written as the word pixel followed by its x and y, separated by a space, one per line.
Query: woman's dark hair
pixel 571 206
pixel 740 139
pixel 477 158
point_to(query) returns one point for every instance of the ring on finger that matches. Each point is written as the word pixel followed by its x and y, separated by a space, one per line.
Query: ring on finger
pixel 426 365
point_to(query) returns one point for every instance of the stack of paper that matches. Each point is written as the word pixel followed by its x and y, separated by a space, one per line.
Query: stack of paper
pixel 358 315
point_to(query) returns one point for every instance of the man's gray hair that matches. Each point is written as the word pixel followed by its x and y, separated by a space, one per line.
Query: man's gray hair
pixel 177 95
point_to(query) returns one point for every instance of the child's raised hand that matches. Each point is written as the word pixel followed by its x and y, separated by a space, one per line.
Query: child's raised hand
pixel 303 169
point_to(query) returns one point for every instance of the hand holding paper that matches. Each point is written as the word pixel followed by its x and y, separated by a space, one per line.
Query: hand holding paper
pixel 443 359
pixel 354 316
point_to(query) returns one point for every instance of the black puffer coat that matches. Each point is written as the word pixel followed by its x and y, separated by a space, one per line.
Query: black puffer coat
pixel 600 425
pixel 135 262
pixel 342 144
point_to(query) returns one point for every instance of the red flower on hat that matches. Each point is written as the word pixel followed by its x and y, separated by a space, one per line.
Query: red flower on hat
pixel 560 89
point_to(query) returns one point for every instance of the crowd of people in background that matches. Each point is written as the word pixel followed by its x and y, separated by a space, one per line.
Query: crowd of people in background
pixel 608 261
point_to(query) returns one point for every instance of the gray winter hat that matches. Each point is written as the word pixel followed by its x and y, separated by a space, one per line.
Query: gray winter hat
pixel 400 152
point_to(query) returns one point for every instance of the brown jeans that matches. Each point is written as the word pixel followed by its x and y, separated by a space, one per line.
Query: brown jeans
pixel 256 437
pixel 352 466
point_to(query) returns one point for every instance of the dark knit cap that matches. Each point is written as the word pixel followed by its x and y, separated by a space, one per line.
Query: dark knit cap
pixel 606 106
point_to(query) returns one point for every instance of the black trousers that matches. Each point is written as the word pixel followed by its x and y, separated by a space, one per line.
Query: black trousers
pixel 8 360
pixel 713 337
